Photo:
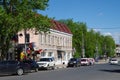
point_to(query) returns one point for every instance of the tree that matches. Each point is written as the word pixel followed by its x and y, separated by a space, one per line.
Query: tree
pixel 93 42
pixel 109 46
pixel 79 30
pixel 16 15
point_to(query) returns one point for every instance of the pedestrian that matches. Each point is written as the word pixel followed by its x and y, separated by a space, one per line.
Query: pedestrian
pixel 22 55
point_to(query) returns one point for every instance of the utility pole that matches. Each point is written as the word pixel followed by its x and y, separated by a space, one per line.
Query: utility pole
pixel 25 40
pixel 96 57
pixel 96 50
pixel 83 49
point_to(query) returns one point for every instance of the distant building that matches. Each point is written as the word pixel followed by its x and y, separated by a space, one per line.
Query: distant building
pixel 57 43
pixel 117 49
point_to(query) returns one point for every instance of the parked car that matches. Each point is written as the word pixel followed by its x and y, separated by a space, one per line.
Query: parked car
pixel 74 62
pixel 33 64
pixel 46 63
pixel 113 61
pixel 85 61
pixel 13 67
pixel 92 61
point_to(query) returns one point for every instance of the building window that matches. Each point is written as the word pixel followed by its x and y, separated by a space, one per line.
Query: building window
pixel 57 41
pixel 28 38
pixel 59 54
pixel 64 41
pixel 45 39
pixel 53 40
pixel 48 39
pixel 50 54
pixel 43 54
pixel 64 56
pixel 42 38
pixel 68 55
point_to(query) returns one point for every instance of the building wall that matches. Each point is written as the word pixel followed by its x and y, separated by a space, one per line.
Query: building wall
pixel 117 50
pixel 54 44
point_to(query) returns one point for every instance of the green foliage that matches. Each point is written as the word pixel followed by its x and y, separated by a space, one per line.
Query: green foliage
pixel 109 46
pixel 76 55
pixel 16 15
pixel 94 43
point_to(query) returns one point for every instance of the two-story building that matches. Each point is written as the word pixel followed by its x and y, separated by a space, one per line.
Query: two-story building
pixel 57 43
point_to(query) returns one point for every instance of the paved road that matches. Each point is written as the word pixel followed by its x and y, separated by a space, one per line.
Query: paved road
pixel 96 72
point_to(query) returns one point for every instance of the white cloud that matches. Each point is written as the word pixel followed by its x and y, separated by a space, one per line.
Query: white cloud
pixel 116 37
pixel 97 30
pixel 107 33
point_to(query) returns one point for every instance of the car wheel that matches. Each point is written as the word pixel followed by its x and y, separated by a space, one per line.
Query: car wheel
pixel 48 67
pixel 53 67
pixel 20 72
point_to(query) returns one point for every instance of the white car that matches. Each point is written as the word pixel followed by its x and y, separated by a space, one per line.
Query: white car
pixel 46 63
pixel 113 61
pixel 85 61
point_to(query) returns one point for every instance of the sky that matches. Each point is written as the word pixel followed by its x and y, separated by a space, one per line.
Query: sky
pixel 100 15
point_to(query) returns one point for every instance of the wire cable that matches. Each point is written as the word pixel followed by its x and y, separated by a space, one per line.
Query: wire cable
pixel 105 28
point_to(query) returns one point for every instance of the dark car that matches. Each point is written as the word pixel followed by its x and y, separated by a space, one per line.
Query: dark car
pixel 13 67
pixel 33 64
pixel 74 62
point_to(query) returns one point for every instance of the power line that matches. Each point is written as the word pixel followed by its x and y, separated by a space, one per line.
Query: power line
pixel 105 28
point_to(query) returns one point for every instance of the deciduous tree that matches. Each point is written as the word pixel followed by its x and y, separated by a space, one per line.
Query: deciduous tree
pixel 16 15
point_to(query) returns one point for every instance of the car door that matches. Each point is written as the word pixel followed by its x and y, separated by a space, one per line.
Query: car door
pixel 51 62
pixel 11 66
pixel 3 67
pixel 29 62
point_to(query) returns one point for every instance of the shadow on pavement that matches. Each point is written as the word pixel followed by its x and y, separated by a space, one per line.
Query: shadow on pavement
pixel 112 71
pixel 7 75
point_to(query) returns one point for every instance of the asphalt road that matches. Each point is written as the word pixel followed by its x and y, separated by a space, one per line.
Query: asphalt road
pixel 96 72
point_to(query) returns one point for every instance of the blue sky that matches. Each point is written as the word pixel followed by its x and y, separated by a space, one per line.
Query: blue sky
pixel 101 15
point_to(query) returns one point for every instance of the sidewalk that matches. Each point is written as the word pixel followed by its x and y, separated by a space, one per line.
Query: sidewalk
pixel 103 61
pixel 61 66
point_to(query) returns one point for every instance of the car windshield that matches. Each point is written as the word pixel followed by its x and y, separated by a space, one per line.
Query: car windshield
pixel 73 59
pixel 114 60
pixel 83 60
pixel 45 59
